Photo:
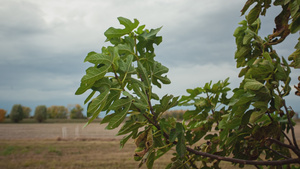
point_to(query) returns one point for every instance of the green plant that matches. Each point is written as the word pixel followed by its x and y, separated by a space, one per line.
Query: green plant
pixel 16 113
pixel 26 111
pixel 251 126
pixel 57 112
pixel 40 113
pixel 8 150
pixel 2 114
pixel 76 112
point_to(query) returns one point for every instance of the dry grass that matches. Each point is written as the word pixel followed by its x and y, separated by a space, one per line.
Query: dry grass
pixel 104 154
pixel 69 154
pixel 37 146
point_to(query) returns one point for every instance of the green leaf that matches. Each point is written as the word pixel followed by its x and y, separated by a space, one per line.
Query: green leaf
pixel 83 88
pixel 140 105
pixel 140 29
pixel 254 14
pixel 140 92
pixel 297 46
pixel 294 8
pixel 246 117
pixel 242 52
pixel 148 36
pixel 96 102
pixel 256 115
pixel 147 39
pixel 233 123
pixel 261 105
pixel 280 74
pixel 252 84
pixel 97 58
pixel 120 103
pixel 173 135
pixel 180 146
pixel 89 97
pixel 102 84
pixel 118 118
pixel 277 101
pixel 167 102
pixel 93 74
pixel 295 25
pixel 143 73
pixel 247 5
pixel 295 58
pixel 126 128
pixel 125 48
pixel 150 160
pixel 114 95
pixel 240 98
pixel 278 2
pixel 107 118
pixel 96 106
pixel 126 67
pixel 158 70
pixel 115 33
pixel 124 140
pixel 249 35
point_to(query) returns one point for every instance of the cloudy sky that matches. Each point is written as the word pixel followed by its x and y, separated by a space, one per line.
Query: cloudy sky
pixel 43 44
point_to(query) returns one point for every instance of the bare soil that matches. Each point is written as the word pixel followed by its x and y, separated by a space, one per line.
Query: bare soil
pixel 68 145
pixel 11 131
pixel 35 131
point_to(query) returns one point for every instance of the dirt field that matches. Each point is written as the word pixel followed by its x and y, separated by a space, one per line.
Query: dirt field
pixel 38 146
pixel 21 131
pixel 55 130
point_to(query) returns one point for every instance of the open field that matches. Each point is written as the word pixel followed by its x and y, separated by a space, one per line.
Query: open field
pixel 38 146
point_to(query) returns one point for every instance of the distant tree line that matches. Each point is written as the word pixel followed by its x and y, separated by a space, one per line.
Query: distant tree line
pixel 42 113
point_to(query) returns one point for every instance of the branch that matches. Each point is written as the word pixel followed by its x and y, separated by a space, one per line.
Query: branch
pixel 250 162
pixel 281 130
pixel 291 125
pixel 278 153
pixel 294 149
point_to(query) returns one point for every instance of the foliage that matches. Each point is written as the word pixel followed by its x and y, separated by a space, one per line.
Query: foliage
pixel 57 112
pixel 16 113
pixel 2 114
pixel 26 111
pixel 251 126
pixel 177 114
pixel 40 113
pixel 76 112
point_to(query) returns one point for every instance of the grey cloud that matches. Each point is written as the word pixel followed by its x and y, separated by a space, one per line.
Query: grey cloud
pixel 43 43
pixel 20 18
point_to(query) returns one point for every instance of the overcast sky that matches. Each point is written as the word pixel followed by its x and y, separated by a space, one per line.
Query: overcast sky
pixel 43 44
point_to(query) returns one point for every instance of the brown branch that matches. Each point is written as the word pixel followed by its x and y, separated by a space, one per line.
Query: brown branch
pixel 274 151
pixel 291 125
pixel 288 139
pixel 240 161
pixel 293 148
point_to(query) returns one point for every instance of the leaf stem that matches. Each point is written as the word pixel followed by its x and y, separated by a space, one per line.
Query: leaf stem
pixel 291 124
pixel 240 161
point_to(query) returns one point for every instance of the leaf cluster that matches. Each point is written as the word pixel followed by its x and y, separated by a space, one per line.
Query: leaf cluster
pixel 249 127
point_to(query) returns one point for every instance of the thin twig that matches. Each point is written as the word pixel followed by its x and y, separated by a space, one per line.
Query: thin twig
pixel 240 161
pixel 291 125
pixel 293 148
pixel 278 153
pixel 288 139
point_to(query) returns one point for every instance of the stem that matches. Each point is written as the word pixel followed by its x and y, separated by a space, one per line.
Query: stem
pixel 250 162
pixel 278 153
pixel 288 139
pixel 294 149
pixel 291 125
pixel 116 76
